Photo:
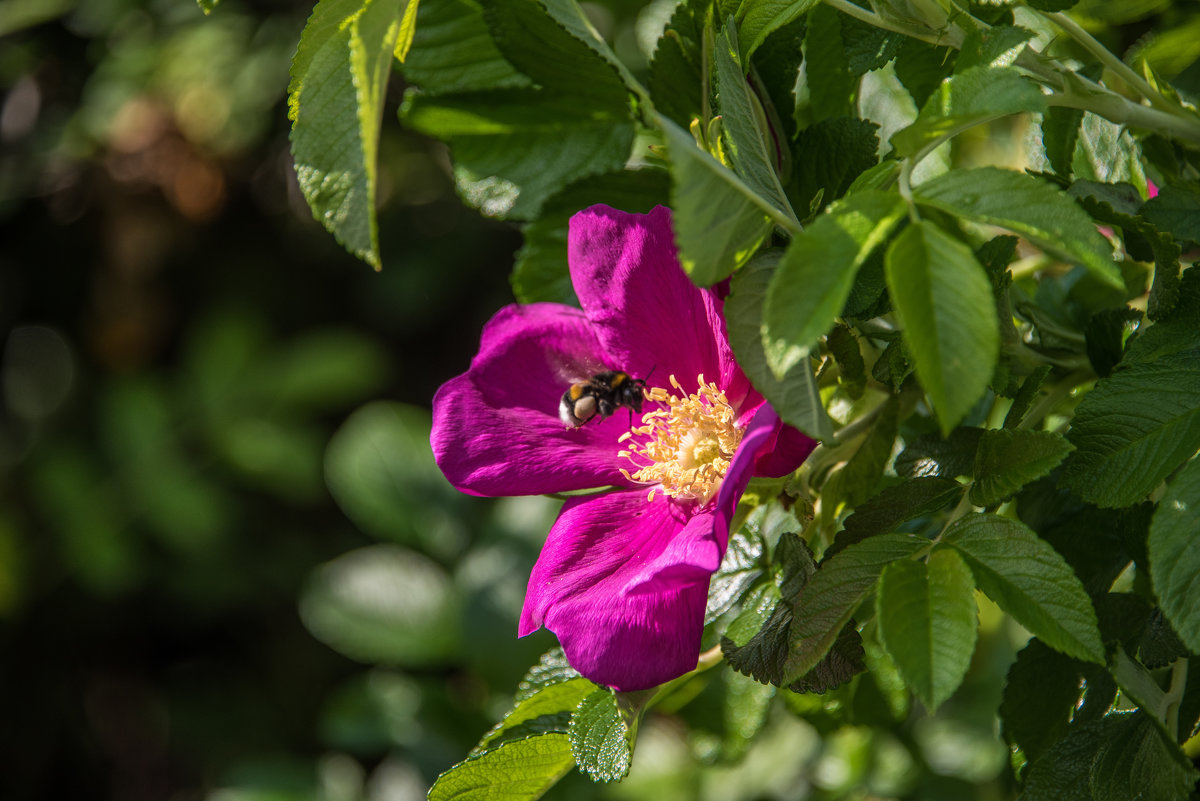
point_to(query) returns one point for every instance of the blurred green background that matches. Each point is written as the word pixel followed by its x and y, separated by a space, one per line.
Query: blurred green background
pixel 229 569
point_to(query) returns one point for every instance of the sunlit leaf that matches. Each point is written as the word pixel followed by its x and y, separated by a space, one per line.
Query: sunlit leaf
pixel 335 102
pixel 945 304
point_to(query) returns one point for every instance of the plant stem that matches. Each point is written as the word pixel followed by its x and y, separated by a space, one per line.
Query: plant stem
pixel 952 37
pixel 1115 108
pixel 1109 60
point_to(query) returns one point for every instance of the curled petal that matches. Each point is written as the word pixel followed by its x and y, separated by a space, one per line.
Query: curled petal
pixel 623 582
pixel 496 429
pixel 647 312
pixel 760 432
pixel 786 451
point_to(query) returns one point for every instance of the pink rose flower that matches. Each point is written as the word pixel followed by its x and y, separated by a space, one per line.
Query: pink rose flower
pixel 623 577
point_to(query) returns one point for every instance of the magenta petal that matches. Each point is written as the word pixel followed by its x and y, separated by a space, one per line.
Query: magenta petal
pixel 761 430
pixel 647 312
pixel 623 582
pixel 496 429
pixel 785 453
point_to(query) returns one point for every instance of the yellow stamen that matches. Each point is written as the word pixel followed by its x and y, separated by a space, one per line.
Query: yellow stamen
pixel 684 449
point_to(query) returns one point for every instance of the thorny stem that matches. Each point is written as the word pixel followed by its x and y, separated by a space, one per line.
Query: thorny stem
pixel 1108 59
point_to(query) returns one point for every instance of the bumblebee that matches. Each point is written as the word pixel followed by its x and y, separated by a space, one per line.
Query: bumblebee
pixel 600 396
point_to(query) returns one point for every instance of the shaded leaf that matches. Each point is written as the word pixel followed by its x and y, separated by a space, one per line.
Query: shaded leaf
pixel 719 221
pixel 1030 581
pixel 1040 693
pixel 933 455
pixel 1008 459
pixel 541 272
pixel 1031 207
pixel 740 113
pixel 830 598
pixel 815 274
pixel 1174 557
pixel 927 621
pixel 795 398
pixel 938 289
pixel 1133 429
pixel 966 99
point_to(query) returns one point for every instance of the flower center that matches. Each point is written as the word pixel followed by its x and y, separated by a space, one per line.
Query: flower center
pixel 684 449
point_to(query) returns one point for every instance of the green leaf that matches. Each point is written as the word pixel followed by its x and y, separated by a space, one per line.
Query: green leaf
pixel 519 770
pixel 945 304
pixel 830 598
pixel 762 652
pixel 868 47
pixel 541 272
pixel 740 114
pixel 835 152
pixel 552 668
pixel 547 709
pixel 674 80
pixel 927 621
pixel 817 271
pixel 1025 396
pixel 1133 429
pixel 759 18
pixel 921 68
pixel 453 51
pixel 1116 204
pixel 1175 210
pixel 1178 331
pixel 1031 207
pixel 997 46
pixel 569 15
pixel 383 604
pixel 967 99
pixel 1008 459
pixel 881 514
pixel 776 67
pixel 741 567
pixel 852 371
pixel 1060 132
pixel 408 31
pixel 1040 693
pixel 514 148
pixel 335 103
pixel 1029 580
pixel 856 481
pixel 832 88
pixel 933 455
pixel 559 57
pixel 719 221
pixel 207 6
pixel 1105 337
pixel 795 398
pixel 1136 761
pixel 600 739
pixel 1174 557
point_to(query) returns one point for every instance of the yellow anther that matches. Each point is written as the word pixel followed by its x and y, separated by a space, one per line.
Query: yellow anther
pixel 684 450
